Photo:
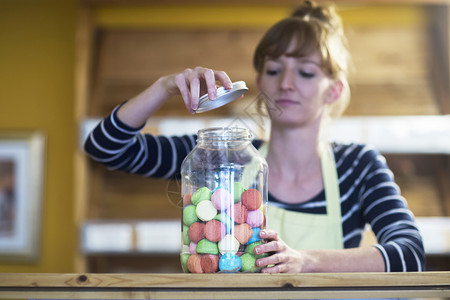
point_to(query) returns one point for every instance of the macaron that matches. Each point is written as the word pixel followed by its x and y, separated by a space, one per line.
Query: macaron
pixel 230 263
pixel 238 213
pixel 196 232
pixel 221 199
pixel 229 244
pixel 207 247
pixel 194 263
pixel 192 248
pixel 251 199
pixel 189 215
pixel 184 258
pixel 214 230
pixel 185 235
pixel 251 249
pixel 238 190
pixel 248 262
pixel 187 199
pixel 201 194
pixel 209 263
pixel 205 210
pixel 225 219
pixel 255 236
pixel 255 218
pixel 243 232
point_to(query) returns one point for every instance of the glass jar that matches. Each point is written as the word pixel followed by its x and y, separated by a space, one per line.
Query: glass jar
pixel 224 190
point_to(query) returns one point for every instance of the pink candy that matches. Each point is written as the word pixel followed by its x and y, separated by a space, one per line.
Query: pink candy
pixel 221 199
pixel 255 218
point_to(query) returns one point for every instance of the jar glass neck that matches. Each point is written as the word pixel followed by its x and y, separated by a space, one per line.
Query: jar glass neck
pixel 223 134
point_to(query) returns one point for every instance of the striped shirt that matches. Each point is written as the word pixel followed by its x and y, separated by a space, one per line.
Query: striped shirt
pixel 368 192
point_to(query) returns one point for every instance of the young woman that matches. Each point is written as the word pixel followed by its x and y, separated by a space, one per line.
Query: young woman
pixel 321 195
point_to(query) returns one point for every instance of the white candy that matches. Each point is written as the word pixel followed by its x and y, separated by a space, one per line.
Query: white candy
pixel 229 244
pixel 205 210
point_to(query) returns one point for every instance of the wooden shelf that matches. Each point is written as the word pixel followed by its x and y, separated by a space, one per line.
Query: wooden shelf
pixel 225 286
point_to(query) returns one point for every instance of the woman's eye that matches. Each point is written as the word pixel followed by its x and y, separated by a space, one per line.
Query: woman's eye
pixel 272 72
pixel 306 74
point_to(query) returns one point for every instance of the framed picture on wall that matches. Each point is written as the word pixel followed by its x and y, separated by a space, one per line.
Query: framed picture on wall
pixel 21 192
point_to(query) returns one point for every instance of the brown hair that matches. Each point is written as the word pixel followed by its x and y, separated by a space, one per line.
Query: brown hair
pixel 313 28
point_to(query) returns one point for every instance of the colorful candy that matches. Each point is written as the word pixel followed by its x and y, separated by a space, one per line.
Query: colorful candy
pixel 230 263
pixel 221 229
pixel 243 232
pixel 214 230
pixel 221 199
pixel 207 247
pixel 229 244
pixel 248 262
pixel 209 263
pixel 251 199
pixel 201 194
pixel 205 210
pixel 255 218
pixel 196 232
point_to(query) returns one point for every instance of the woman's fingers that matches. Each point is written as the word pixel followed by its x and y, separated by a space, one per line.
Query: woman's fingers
pixel 210 80
pixel 181 83
pixel 268 234
pixel 224 79
pixel 192 83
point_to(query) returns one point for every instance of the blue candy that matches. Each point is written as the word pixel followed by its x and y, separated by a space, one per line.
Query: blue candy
pixel 230 263
pixel 255 236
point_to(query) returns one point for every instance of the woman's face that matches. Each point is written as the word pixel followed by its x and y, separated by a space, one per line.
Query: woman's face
pixel 297 89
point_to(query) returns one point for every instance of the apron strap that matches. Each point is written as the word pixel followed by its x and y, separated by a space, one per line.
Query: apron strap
pixel 332 196
pixel 331 185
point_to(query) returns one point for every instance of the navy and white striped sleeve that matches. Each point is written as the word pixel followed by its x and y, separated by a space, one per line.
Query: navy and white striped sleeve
pixel 392 221
pixel 121 147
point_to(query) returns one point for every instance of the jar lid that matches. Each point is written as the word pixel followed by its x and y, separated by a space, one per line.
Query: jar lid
pixel 223 97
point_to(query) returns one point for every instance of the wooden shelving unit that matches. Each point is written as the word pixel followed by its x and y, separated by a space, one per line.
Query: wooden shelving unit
pixel 123 46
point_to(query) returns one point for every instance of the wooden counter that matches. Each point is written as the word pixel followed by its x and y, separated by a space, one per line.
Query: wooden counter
pixel 224 286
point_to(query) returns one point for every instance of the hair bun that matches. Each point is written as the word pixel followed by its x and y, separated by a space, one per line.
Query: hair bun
pixel 310 10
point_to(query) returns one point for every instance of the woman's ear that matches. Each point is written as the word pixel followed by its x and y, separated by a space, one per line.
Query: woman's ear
pixel 335 91
pixel 258 82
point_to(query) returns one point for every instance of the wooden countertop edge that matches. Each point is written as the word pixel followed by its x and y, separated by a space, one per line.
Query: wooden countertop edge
pixel 239 280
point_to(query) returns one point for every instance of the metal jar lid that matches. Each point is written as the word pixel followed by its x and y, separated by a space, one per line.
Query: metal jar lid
pixel 223 97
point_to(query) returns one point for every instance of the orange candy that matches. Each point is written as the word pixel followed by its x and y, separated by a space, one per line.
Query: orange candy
pixel 214 230
pixel 243 233
pixel 194 263
pixel 240 213
pixel 196 232
pixel 251 199
pixel 209 263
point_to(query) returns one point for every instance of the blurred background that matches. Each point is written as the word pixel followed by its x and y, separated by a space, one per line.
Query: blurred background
pixel 66 64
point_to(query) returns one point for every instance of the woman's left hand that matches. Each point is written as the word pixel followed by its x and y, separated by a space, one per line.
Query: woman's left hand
pixel 282 258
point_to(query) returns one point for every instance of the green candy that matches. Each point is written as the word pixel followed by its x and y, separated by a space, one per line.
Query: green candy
pixel 249 263
pixel 238 190
pixel 189 215
pixel 186 239
pixel 184 258
pixel 251 249
pixel 225 219
pixel 205 246
pixel 201 194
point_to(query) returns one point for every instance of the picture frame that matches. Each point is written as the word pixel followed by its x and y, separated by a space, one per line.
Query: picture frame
pixel 22 157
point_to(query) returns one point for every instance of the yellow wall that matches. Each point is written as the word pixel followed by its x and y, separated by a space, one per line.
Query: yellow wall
pixel 37 41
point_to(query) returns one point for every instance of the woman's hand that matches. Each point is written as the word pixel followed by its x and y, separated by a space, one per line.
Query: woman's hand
pixel 282 258
pixel 192 83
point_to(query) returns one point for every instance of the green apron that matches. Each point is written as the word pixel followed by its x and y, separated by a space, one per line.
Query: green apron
pixel 311 231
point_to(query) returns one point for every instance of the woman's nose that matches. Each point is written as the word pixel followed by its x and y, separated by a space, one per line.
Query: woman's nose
pixel 287 82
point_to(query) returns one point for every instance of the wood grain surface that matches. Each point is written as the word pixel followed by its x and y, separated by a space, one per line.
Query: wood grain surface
pixel 224 286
